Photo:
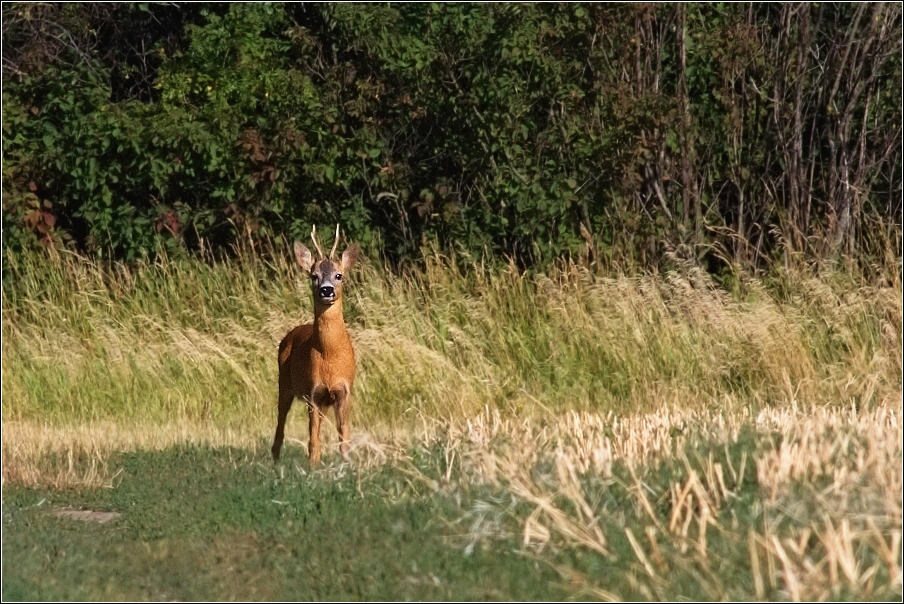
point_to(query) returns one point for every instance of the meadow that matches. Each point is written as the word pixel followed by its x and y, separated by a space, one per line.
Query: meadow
pixel 579 433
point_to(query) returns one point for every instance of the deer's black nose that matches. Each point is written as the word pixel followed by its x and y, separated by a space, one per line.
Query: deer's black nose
pixel 327 291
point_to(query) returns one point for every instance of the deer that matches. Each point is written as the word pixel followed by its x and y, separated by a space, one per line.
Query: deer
pixel 317 360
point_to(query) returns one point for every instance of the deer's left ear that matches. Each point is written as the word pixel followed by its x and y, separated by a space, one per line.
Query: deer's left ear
pixel 349 256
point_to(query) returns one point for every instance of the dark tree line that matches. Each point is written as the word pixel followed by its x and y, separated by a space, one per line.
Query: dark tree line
pixel 738 133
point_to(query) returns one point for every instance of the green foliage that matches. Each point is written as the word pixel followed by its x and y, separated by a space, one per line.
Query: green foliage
pixel 711 132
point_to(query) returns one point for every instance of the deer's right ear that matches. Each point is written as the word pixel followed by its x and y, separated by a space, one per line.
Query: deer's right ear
pixel 349 256
pixel 303 256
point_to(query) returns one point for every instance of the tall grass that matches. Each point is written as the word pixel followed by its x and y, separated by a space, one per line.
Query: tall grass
pixel 192 343
pixel 179 339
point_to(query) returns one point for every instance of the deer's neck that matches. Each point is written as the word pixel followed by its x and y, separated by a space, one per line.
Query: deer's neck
pixel 329 326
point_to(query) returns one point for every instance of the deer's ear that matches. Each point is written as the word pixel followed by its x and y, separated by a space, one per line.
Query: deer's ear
pixel 349 256
pixel 303 256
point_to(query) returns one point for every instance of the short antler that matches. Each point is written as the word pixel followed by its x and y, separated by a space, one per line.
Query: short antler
pixel 314 239
pixel 335 243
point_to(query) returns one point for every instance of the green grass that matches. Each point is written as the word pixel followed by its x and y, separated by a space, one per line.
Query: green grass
pixel 211 524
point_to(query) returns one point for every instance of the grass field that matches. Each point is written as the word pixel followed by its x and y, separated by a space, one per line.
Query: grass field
pixel 574 434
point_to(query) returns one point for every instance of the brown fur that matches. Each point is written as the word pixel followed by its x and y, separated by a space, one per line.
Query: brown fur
pixel 317 361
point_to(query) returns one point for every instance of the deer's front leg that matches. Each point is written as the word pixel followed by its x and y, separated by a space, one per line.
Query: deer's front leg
pixel 315 417
pixel 343 411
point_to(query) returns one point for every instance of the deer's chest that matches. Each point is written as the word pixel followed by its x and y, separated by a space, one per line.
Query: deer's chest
pixel 333 366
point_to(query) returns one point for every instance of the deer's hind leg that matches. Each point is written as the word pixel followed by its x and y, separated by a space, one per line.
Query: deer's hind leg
pixel 285 403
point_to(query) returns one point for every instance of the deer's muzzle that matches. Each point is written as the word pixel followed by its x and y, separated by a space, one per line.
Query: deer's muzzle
pixel 327 293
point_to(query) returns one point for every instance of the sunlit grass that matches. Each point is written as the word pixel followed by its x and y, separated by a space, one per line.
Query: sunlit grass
pixel 787 503
pixel 192 343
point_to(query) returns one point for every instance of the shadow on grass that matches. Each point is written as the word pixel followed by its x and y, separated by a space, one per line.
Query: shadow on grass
pixel 224 524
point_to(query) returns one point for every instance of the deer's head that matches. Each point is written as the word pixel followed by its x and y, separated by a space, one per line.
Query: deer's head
pixel 326 272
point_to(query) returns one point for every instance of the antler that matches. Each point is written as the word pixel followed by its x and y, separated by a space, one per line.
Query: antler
pixel 335 243
pixel 314 239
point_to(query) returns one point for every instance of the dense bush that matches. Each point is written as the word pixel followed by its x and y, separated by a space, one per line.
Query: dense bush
pixel 720 133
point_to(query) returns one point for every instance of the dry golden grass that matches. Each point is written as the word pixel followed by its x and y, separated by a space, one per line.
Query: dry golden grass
pixel 183 342
pixel 828 494
pixel 78 456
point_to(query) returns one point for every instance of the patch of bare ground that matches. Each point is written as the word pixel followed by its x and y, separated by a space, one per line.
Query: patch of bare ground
pixel 87 515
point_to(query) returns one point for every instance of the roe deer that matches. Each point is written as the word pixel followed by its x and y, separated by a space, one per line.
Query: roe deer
pixel 317 361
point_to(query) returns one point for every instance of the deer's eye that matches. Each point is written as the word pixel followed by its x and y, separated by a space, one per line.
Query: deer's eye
pixel 313 277
pixel 338 276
